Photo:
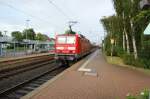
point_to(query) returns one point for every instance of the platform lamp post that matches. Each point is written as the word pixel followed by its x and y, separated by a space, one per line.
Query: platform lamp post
pixel 27 26
pixel 5 43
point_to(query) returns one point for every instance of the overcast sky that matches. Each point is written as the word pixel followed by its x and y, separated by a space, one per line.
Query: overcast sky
pixel 49 18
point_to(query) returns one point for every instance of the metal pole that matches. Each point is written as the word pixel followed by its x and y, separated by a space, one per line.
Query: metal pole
pixel 5 44
pixel 0 49
pixel 112 47
pixel 14 48
pixel 112 51
pixel 5 33
pixel 27 26
pixel 5 49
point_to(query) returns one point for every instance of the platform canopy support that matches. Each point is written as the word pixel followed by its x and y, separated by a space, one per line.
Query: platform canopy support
pixel 0 49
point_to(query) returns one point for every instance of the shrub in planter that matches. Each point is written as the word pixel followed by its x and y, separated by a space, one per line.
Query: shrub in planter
pixel 128 59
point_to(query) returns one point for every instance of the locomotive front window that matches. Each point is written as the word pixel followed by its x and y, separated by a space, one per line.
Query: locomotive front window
pixel 61 40
pixel 66 40
pixel 71 40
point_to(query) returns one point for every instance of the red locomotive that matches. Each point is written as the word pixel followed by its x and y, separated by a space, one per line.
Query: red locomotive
pixel 71 47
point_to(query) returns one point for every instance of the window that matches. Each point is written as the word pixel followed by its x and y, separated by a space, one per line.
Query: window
pixel 71 40
pixel 61 39
pixel 66 40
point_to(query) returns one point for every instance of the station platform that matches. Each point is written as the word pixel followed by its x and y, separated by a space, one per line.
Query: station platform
pixel 23 57
pixel 93 78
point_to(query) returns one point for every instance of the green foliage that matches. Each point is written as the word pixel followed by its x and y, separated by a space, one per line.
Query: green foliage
pixel 107 46
pixel 41 37
pixel 117 25
pixel 143 95
pixel 146 94
pixel 140 62
pixel 70 32
pixel 128 59
pixel 141 21
pixel 144 54
pixel 29 33
pixel 114 30
pixel 118 51
pixel 17 35
pixel 131 97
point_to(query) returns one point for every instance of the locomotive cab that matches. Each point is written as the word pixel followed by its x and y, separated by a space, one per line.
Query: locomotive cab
pixel 66 47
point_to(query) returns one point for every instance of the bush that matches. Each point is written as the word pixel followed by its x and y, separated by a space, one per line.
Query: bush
pixel 144 54
pixel 131 97
pixel 146 94
pixel 117 51
pixel 140 62
pixel 146 63
pixel 128 59
pixel 143 95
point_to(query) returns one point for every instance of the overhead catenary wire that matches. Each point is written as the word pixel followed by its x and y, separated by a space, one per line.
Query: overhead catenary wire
pixel 69 19
pixel 23 12
pixel 59 9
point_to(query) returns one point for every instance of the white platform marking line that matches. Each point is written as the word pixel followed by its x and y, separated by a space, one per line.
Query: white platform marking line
pixel 82 68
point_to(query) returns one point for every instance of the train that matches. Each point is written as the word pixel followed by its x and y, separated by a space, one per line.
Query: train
pixel 71 47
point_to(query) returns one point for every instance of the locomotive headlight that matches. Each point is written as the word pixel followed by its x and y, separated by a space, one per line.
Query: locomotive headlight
pixel 71 48
pixel 60 48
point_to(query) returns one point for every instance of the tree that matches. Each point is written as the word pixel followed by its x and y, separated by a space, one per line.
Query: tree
pixel 1 35
pixel 17 35
pixel 29 34
pixel 131 22
pixel 127 10
pixel 114 31
pixel 122 10
pixel 45 37
pixel 41 37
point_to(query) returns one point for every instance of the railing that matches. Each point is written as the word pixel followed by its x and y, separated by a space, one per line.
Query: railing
pixel 6 39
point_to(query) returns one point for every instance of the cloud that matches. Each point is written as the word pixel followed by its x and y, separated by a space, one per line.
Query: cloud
pixel 45 17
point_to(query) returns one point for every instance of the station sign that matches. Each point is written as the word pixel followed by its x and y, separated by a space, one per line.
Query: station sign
pixel 147 30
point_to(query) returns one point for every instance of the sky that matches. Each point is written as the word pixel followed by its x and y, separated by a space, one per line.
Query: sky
pixel 52 16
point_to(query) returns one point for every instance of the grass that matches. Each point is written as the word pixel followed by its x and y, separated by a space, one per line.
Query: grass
pixel 119 62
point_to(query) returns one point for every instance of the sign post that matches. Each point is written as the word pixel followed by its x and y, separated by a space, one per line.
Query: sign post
pixel 112 43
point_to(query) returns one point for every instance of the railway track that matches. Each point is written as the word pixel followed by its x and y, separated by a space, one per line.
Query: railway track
pixel 24 67
pixel 9 65
pixel 15 84
pixel 21 82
